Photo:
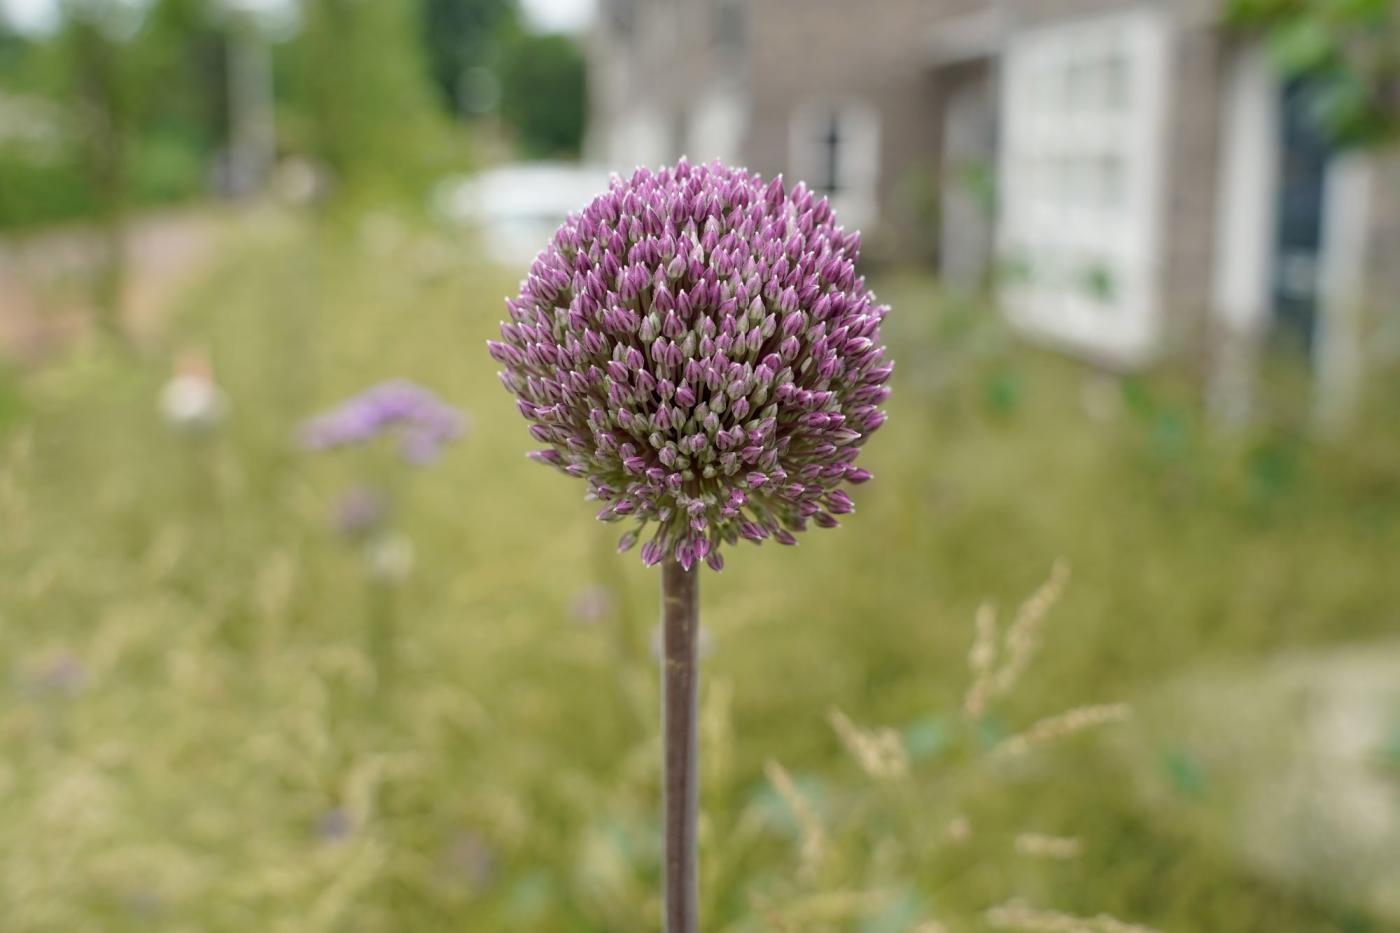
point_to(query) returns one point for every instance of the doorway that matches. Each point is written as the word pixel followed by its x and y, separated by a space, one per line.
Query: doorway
pixel 1301 203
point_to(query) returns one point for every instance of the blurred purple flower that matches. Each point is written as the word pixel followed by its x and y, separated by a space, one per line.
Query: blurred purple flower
pixel 335 825
pixel 421 421
pixel 593 605
pixel 63 675
pixel 360 512
pixel 697 345
pixel 471 858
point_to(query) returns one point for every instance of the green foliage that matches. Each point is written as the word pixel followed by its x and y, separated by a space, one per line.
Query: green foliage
pixel 140 108
pixel 193 739
pixel 367 102
pixel 128 107
pixel 37 191
pixel 545 94
pixel 459 35
pixel 13 45
pixel 11 400
pixel 166 167
pixel 1347 50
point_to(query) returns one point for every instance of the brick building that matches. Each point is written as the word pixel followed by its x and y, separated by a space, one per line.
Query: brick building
pixel 1137 178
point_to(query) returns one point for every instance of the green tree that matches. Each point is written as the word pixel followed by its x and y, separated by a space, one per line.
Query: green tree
pixel 12 45
pixel 130 99
pixel 367 102
pixel 1347 50
pixel 460 35
pixel 91 36
pixel 544 96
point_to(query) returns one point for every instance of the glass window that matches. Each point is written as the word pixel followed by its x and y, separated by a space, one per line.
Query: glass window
pixel 1081 168
pixel 727 25
pixel 835 150
pixel 621 16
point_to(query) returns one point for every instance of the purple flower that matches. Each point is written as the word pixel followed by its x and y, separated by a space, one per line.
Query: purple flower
pixel 64 675
pixel 697 345
pixel 421 421
pixel 335 825
pixel 592 605
pixel 360 512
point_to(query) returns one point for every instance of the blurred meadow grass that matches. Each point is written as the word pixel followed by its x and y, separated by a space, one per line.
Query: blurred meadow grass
pixel 192 738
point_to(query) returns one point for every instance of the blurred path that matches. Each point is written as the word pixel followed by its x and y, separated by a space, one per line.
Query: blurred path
pixel 45 279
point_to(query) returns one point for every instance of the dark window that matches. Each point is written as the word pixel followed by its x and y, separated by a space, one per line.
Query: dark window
pixel 828 162
pixel 621 17
pixel 727 24
pixel 1300 205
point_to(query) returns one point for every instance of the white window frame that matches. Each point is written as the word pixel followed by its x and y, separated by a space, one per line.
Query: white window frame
pixel 1081 179
pixel 858 160
pixel 1246 206
pixel 1247 252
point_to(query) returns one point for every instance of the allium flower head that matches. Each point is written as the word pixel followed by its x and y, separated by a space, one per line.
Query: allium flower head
pixel 422 422
pixel 696 344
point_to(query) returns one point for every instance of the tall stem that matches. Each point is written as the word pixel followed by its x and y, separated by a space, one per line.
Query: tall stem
pixel 383 637
pixel 680 618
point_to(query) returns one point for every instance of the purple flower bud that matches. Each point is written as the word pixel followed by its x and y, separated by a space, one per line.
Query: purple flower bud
pixel 789 349
pixel 752 531
pixel 794 324
pixel 661 300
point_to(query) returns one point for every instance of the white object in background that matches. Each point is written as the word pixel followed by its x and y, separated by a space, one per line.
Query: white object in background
pixel 1246 214
pixel 834 146
pixel 191 402
pixel 518 207
pixel 389 558
pixel 1338 353
pixel 1245 227
pixel 1084 108
pixel 717 126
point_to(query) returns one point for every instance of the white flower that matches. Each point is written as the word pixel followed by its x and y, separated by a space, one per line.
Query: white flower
pixel 389 558
pixel 192 403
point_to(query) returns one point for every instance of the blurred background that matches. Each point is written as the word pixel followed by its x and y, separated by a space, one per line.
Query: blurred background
pixel 1143 260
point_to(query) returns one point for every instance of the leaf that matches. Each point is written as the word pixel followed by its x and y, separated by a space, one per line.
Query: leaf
pixel 1301 45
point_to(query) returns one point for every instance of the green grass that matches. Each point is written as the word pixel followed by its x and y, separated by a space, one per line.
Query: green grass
pixel 191 738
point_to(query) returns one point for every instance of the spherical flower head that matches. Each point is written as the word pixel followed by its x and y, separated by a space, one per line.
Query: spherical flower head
pixel 697 346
